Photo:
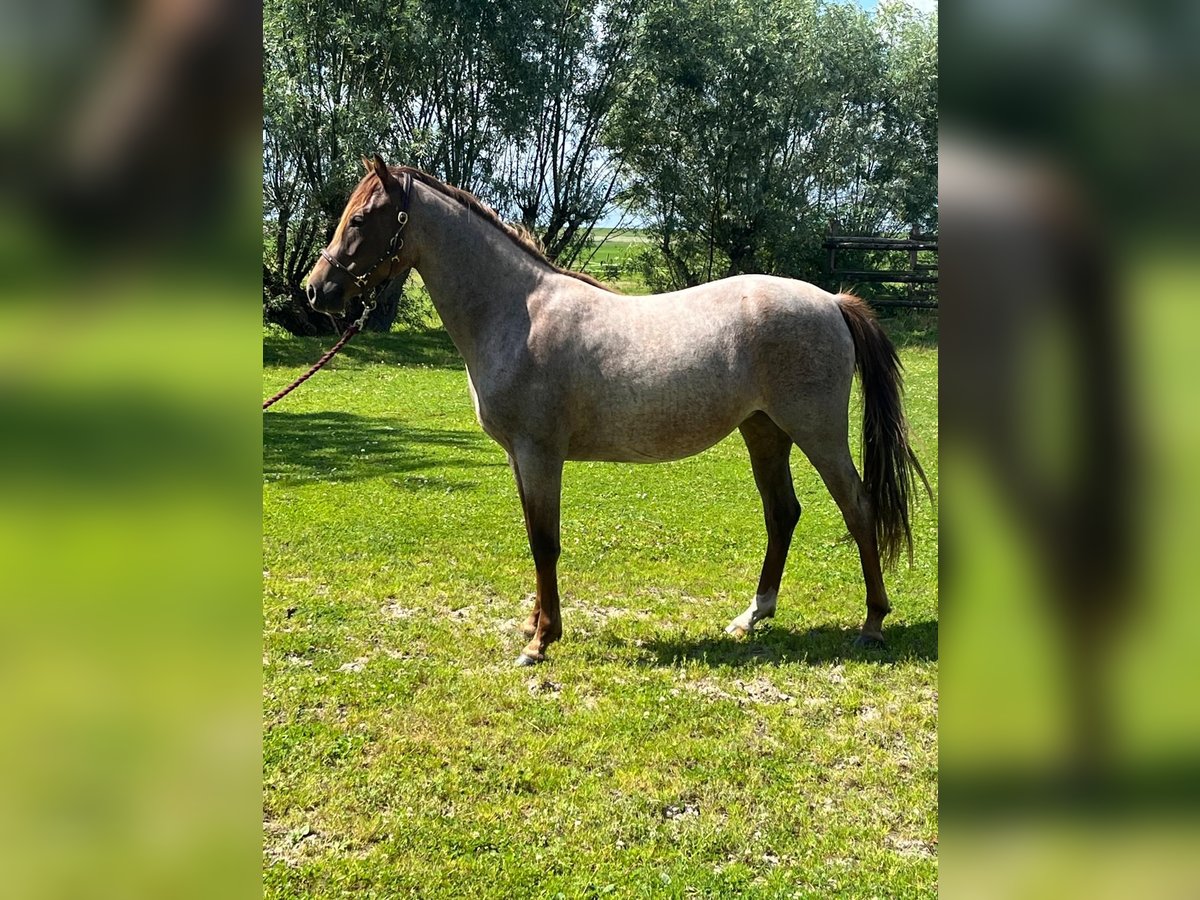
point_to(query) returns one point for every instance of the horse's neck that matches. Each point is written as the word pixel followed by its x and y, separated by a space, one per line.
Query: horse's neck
pixel 478 279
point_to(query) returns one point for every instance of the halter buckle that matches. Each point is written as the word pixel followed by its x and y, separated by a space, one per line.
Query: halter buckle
pixel 368 308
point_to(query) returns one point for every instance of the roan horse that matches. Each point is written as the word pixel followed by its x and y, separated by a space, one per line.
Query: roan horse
pixel 559 368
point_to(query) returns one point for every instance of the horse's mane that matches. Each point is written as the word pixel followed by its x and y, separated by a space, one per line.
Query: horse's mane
pixel 519 235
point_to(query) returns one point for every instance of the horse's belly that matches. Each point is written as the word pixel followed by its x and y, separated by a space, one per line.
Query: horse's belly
pixel 654 431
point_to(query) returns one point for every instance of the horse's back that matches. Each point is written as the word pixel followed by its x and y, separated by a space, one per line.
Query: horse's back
pixel 740 332
pixel 668 375
pixel 735 313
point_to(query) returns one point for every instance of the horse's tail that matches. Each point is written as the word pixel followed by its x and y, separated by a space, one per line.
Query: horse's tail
pixel 890 468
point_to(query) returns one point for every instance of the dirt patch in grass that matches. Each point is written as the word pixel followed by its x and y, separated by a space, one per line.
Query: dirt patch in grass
pixel 741 692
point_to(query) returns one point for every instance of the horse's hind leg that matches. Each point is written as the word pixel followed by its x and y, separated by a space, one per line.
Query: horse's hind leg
pixel 770 448
pixel 831 458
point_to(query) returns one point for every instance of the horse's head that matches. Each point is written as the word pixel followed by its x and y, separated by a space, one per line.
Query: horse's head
pixel 367 247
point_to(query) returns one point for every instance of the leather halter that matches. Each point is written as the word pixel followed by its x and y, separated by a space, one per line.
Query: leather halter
pixel 394 245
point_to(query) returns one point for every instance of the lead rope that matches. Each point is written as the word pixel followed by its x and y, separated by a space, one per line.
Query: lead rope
pixel 350 332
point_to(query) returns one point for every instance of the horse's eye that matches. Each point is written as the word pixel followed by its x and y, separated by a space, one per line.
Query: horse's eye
pixel 356 221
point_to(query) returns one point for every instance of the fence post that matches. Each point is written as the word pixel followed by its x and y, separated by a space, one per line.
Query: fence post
pixel 917 277
pixel 829 263
pixel 913 234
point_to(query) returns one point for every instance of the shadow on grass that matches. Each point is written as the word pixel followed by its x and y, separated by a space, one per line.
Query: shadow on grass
pixel 771 645
pixel 302 448
pixel 429 348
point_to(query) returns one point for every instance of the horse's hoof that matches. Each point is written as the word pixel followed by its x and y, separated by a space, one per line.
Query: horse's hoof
pixel 869 642
pixel 526 660
pixel 736 630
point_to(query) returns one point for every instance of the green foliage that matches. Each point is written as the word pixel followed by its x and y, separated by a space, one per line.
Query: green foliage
pixel 653 755
pixel 506 100
pixel 734 129
pixel 750 124
pixel 414 308
pixel 908 161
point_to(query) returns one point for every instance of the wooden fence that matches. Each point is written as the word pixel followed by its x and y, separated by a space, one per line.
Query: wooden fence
pixel 921 278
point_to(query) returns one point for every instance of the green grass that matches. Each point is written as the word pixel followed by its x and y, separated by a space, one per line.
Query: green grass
pixel 652 755
pixel 611 255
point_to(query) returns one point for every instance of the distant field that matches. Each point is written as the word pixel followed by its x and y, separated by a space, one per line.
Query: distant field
pixel 620 236
pixel 612 258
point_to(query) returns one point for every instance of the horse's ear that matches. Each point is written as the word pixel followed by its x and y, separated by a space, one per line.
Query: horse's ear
pixel 368 165
pixel 379 167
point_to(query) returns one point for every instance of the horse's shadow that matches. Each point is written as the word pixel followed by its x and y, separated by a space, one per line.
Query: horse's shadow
pixel 331 446
pixel 771 645
pixel 426 348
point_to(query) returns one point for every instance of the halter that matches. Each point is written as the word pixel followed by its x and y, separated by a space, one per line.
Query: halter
pixel 394 246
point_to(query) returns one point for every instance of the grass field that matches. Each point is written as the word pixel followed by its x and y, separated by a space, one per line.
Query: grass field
pixel 652 755
pixel 610 257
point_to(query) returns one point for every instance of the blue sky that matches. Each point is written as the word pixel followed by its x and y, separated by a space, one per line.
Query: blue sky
pixel 925 5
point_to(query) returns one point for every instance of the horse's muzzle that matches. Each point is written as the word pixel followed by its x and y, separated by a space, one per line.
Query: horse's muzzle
pixel 326 296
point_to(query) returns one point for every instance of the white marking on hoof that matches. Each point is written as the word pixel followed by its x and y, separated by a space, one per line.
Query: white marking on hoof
pixel 762 607
pixel 524 660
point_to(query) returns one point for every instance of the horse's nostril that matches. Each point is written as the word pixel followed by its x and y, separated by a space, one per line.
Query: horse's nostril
pixel 312 296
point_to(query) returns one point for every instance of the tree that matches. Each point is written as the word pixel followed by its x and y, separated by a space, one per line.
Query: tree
pixel 911 114
pixel 750 123
pixel 560 178
pixel 735 128
pixel 505 100
pixel 321 104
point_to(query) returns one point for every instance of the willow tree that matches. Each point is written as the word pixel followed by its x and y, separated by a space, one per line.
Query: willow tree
pixel 750 123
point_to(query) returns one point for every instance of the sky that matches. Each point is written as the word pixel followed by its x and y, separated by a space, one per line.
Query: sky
pixel 923 5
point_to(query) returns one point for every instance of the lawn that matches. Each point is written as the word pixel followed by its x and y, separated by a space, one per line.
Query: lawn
pixel 611 256
pixel 652 755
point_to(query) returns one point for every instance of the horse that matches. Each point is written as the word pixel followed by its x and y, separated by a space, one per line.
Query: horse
pixel 560 367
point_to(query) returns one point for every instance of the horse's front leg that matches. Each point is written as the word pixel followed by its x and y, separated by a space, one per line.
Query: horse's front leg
pixel 770 448
pixel 529 629
pixel 539 482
